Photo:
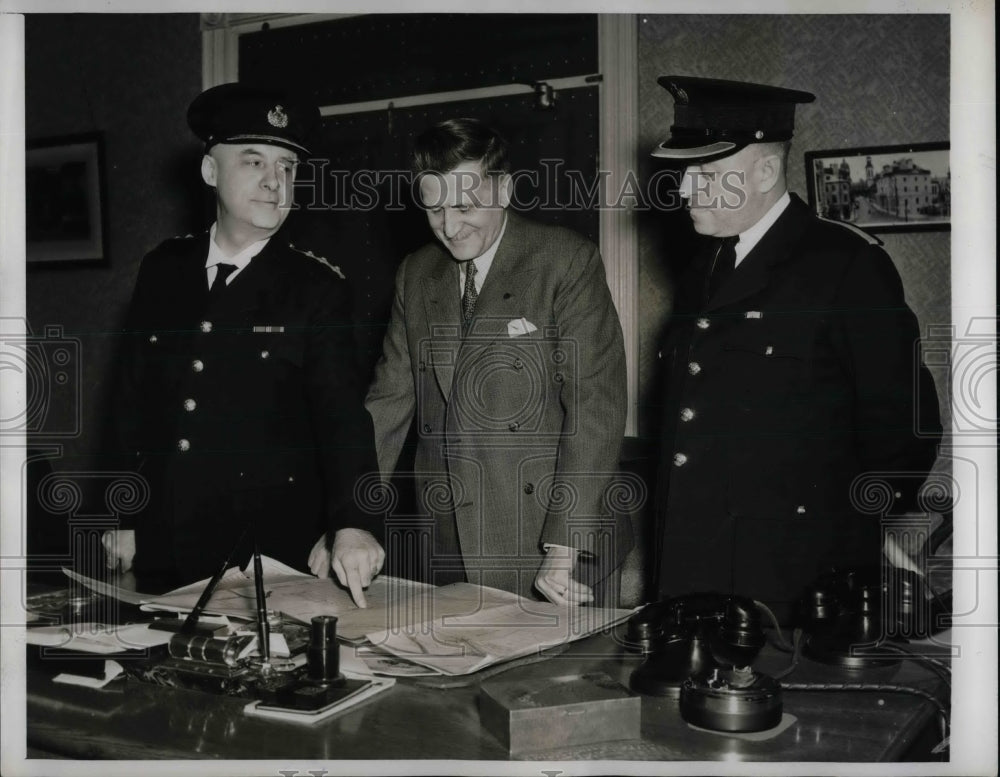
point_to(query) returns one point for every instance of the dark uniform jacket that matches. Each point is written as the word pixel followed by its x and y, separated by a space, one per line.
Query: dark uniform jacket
pixel 245 410
pixel 520 417
pixel 792 400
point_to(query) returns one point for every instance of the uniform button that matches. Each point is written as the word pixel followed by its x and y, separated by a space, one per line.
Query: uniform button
pixel 898 494
pixel 769 351
pixel 183 445
pixel 264 354
pixel 153 339
pixel 702 323
pixel 680 459
pixel 518 364
pixel 197 365
pixel 687 414
pixel 514 426
pixel 190 405
pixel 558 377
pixel 801 509
pixel 427 427
pixel 206 326
pixel 291 478
pixel 694 368
pixel 529 488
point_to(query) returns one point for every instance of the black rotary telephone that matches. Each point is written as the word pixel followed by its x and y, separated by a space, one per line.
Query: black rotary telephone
pixel 699 648
pixel 846 611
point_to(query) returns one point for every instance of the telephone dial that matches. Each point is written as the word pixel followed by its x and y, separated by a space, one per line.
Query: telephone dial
pixel 700 648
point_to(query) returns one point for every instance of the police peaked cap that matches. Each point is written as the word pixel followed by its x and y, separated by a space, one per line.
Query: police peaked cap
pixel 244 113
pixel 715 118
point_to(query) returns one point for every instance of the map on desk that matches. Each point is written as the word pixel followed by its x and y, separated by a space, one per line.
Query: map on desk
pixel 454 629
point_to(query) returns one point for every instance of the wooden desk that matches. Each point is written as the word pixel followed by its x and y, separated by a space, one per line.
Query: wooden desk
pixel 411 721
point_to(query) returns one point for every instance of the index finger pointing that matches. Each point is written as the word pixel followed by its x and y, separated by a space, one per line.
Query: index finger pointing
pixel 357 590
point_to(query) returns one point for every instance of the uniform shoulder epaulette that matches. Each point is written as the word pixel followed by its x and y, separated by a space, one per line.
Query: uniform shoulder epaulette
pixel 320 259
pixel 867 236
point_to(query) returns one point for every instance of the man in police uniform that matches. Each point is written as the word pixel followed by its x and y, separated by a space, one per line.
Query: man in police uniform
pixel 239 398
pixel 794 381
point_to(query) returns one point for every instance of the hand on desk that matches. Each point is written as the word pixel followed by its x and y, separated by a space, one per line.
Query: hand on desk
pixel 356 557
pixel 119 549
pixel 555 577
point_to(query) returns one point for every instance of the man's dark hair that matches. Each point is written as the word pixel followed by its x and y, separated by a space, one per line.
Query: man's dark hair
pixel 446 145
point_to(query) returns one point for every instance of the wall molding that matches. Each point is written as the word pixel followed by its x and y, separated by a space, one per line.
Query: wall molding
pixel 618 60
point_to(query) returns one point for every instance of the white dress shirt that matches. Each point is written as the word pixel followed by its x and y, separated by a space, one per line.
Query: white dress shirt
pixel 483 262
pixel 752 236
pixel 241 259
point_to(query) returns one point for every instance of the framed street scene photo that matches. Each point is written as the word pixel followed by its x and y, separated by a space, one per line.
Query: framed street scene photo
pixel 65 204
pixel 883 188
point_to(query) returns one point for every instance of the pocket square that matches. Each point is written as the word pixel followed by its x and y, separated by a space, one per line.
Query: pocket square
pixel 519 326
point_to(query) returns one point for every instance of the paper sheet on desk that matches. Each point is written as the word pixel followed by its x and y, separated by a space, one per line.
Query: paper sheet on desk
pixel 461 644
pixel 107 589
pixel 96 637
pixel 297 595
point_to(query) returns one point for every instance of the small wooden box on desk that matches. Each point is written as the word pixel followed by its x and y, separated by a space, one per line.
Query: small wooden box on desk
pixel 540 713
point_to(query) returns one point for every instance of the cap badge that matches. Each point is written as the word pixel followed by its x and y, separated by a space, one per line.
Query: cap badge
pixel 277 117
pixel 679 93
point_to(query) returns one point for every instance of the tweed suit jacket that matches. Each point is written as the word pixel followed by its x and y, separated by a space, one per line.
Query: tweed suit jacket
pixel 519 415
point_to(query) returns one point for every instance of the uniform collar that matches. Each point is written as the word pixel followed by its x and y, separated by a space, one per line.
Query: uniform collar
pixel 752 236
pixel 241 259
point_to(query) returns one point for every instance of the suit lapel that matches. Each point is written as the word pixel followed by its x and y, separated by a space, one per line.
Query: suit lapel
pixel 512 269
pixel 775 247
pixel 443 312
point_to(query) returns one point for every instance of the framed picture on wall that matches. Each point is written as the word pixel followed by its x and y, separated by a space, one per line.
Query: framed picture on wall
pixel 882 188
pixel 65 205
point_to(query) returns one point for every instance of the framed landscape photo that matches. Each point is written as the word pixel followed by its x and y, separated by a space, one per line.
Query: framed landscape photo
pixel 66 219
pixel 882 188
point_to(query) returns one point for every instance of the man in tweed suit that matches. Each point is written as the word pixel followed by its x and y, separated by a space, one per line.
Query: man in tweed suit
pixel 505 351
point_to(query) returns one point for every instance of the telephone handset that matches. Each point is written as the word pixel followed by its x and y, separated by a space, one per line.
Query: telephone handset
pixel 848 611
pixel 699 649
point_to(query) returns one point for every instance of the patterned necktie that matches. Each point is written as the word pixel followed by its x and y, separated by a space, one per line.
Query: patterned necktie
pixel 470 295
pixel 222 272
pixel 725 263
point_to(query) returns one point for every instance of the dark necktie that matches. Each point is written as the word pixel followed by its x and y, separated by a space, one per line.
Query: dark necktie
pixel 222 272
pixel 724 264
pixel 469 295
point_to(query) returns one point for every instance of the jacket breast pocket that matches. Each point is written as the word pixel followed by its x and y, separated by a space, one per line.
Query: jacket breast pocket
pixel 769 357
pixel 283 350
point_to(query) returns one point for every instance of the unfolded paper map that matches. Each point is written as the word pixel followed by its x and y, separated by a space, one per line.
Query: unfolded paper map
pixel 454 629
pixel 457 644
